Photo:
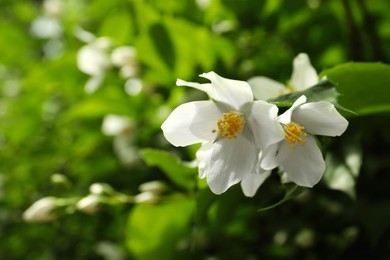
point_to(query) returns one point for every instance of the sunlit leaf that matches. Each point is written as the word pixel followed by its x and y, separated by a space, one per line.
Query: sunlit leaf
pixel 364 87
pixel 155 231
pixel 176 170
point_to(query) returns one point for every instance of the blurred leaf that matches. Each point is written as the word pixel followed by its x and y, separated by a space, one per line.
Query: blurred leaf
pixel 364 87
pixel 204 199
pixel 176 170
pixel 117 26
pixel 342 171
pixel 154 231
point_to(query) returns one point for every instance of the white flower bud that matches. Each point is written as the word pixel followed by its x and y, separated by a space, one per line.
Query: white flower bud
pixel 146 198
pixel 101 188
pixel 41 210
pixel 89 204
pixel 156 187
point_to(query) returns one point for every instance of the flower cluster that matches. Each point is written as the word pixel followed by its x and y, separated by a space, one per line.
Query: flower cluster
pixel 244 138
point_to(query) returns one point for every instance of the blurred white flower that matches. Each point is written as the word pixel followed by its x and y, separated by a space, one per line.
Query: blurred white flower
pixel 53 7
pixel 89 204
pixel 303 77
pixel 93 59
pixel 41 210
pixel 109 251
pixel 124 56
pixel 122 128
pixel 298 153
pixel 46 27
pixel 125 150
pixel 115 125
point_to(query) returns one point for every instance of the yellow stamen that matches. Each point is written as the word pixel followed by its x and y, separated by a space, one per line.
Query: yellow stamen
pixel 287 90
pixel 293 133
pixel 230 125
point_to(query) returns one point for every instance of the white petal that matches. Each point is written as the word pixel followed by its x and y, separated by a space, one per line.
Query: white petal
pixel 208 88
pixel 269 159
pixel 191 123
pixel 230 162
pixel 303 164
pixel 231 92
pixel 263 122
pixel 320 118
pixel 285 118
pixel 252 182
pixel 264 88
pixel 203 156
pixel 304 75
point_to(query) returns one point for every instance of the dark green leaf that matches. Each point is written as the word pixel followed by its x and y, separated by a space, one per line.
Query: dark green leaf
pixel 323 91
pixel 163 44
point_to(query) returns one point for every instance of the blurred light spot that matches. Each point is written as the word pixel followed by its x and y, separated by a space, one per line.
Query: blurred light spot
pixel 305 238
pixel 280 237
pixel 314 4
pixel 46 27
pixel 133 87
pixel 11 88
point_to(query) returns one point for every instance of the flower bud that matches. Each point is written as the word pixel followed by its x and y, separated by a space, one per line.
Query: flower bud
pixel 146 198
pixel 101 188
pixel 89 204
pixel 41 210
pixel 156 187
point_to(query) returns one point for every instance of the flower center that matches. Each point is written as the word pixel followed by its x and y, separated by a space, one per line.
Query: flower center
pixel 230 125
pixel 293 133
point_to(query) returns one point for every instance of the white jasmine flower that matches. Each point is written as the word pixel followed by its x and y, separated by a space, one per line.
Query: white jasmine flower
pixel 235 127
pixel 41 210
pixel 303 77
pixel 298 153
pixel 249 184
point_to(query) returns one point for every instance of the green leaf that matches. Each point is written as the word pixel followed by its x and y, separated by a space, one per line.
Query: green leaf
pixel 154 231
pixel 364 87
pixel 176 170
pixel 323 91
pixel 117 26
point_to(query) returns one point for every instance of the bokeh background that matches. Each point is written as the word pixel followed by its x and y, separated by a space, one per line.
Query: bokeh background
pixel 85 86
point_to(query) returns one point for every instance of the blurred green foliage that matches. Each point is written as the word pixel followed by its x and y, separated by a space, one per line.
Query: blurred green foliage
pixel 50 127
